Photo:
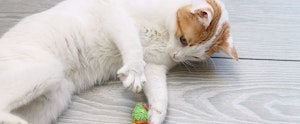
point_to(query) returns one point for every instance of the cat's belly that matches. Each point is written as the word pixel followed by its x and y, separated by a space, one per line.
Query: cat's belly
pixel 95 64
pixel 77 42
pixel 102 59
pixel 93 58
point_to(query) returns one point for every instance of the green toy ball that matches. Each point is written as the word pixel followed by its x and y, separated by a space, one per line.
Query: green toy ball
pixel 140 114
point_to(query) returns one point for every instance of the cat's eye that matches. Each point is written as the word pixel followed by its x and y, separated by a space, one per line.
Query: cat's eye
pixel 195 57
pixel 183 41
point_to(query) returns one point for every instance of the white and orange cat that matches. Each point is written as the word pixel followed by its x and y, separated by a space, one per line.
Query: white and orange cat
pixel 77 44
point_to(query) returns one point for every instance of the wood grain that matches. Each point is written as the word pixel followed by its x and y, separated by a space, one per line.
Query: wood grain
pixel 266 29
pixel 12 11
pixel 229 92
pixel 26 6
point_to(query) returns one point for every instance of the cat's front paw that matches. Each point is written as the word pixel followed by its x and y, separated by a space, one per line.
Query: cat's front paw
pixel 132 76
pixel 156 116
pixel 6 118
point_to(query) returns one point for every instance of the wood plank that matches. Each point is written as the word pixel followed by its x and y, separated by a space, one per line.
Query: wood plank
pixel 26 6
pixel 12 11
pixel 7 20
pixel 266 29
pixel 246 92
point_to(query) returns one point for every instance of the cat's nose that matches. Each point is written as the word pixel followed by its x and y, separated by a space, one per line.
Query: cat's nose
pixel 175 57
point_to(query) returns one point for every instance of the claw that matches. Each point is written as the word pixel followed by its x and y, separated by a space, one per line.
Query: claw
pixel 120 75
pixel 132 76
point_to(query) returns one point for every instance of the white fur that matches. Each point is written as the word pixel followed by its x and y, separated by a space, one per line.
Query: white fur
pixel 49 56
pixel 196 4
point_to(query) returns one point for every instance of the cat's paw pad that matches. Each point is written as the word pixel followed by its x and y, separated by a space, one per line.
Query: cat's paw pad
pixel 132 76
pixel 6 118
pixel 156 116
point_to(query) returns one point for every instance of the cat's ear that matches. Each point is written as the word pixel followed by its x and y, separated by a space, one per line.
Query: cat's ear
pixel 204 15
pixel 229 48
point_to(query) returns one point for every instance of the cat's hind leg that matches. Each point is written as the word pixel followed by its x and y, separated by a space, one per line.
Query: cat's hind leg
pixel 7 118
pixel 24 82
pixel 46 108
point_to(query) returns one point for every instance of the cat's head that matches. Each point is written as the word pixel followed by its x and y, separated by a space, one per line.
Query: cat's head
pixel 201 29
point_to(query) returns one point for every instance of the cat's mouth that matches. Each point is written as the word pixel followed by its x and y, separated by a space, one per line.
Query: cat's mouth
pixel 176 58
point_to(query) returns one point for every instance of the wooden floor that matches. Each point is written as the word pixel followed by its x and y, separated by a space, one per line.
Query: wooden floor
pixel 263 87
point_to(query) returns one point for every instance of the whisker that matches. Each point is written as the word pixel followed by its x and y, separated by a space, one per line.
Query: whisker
pixel 213 63
pixel 190 63
pixel 204 62
pixel 198 64
pixel 186 66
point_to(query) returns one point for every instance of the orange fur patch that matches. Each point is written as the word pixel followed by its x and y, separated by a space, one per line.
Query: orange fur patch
pixel 189 26
pixel 221 39
pixel 221 42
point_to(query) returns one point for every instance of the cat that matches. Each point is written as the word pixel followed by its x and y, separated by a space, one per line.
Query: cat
pixel 77 44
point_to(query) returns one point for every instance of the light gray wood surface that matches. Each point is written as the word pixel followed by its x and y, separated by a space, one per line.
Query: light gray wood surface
pixel 262 88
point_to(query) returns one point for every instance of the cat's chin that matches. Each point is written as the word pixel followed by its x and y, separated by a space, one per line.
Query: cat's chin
pixel 175 59
pixel 178 60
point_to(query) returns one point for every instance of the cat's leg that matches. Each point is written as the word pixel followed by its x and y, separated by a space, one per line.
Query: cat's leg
pixel 46 108
pixel 25 81
pixel 125 35
pixel 156 91
pixel 7 118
